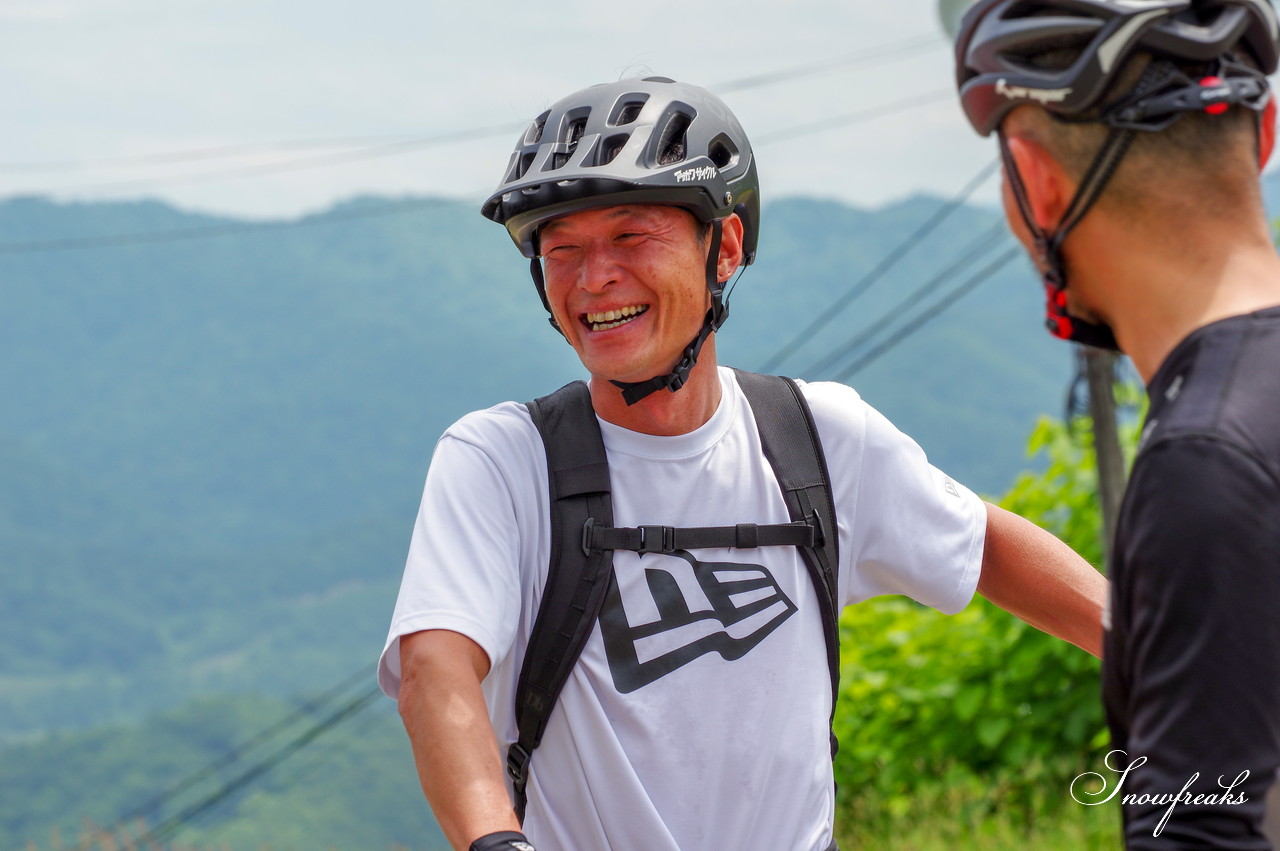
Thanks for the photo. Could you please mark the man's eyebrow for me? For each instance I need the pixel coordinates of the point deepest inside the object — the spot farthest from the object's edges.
(620, 213)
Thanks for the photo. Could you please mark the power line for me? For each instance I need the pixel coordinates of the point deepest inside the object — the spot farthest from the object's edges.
(889, 261)
(222, 151)
(385, 145)
(408, 146)
(309, 707)
(974, 250)
(386, 149)
(235, 228)
(172, 825)
(907, 47)
(901, 105)
(926, 315)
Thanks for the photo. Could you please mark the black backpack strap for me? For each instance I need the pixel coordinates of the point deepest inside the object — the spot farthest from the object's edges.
(791, 443)
(671, 539)
(578, 472)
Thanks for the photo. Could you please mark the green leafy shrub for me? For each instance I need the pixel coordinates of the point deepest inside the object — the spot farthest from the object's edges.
(979, 701)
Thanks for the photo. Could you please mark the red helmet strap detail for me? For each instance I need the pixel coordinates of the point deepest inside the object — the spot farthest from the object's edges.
(1266, 133)
(1049, 244)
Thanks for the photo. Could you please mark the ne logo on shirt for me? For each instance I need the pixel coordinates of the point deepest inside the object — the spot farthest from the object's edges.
(684, 609)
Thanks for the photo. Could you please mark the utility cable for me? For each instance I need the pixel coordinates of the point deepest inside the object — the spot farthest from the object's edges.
(889, 261)
(238, 150)
(897, 50)
(892, 108)
(385, 149)
(921, 319)
(907, 47)
(232, 228)
(166, 829)
(975, 249)
(308, 708)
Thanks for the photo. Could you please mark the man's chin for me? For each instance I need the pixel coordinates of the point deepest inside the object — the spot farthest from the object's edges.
(629, 376)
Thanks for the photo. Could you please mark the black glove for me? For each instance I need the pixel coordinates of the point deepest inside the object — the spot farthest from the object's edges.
(503, 840)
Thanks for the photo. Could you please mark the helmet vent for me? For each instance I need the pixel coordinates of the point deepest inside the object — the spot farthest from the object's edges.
(534, 134)
(628, 109)
(574, 132)
(722, 151)
(610, 149)
(672, 143)
(521, 166)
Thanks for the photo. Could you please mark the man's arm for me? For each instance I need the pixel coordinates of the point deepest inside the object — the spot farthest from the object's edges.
(454, 746)
(1029, 573)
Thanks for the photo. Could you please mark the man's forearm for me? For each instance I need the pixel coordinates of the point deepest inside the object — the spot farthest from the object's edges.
(454, 747)
(1029, 573)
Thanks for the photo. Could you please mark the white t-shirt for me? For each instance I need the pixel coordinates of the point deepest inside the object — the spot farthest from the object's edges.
(697, 715)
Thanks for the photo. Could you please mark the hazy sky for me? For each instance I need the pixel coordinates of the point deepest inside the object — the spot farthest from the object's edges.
(87, 82)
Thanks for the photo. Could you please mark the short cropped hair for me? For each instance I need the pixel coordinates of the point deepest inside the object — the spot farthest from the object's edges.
(1202, 156)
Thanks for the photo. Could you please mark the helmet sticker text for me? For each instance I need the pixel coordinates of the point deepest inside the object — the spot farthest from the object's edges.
(1038, 95)
(705, 172)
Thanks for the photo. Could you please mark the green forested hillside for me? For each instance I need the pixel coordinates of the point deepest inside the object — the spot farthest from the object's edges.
(354, 788)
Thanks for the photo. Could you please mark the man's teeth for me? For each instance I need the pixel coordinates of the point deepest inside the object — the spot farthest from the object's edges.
(613, 318)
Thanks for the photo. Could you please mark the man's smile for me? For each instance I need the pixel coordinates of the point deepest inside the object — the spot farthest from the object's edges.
(608, 319)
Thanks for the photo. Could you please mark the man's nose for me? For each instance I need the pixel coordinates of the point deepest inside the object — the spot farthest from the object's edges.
(599, 269)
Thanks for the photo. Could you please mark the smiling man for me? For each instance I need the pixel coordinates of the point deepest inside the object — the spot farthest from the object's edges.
(639, 577)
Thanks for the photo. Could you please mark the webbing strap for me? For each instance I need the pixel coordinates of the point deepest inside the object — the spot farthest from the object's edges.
(578, 474)
(668, 539)
(634, 391)
(791, 444)
(1049, 245)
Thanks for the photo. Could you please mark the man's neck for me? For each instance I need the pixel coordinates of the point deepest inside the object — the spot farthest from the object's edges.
(1156, 287)
(664, 412)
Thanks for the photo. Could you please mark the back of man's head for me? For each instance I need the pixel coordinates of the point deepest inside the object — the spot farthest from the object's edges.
(1157, 106)
(1188, 76)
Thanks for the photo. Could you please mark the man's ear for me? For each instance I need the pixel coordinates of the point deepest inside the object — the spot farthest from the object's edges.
(1049, 188)
(1267, 132)
(730, 247)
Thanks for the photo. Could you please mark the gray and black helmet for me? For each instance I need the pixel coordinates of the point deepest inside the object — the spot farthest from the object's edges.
(1000, 40)
(650, 141)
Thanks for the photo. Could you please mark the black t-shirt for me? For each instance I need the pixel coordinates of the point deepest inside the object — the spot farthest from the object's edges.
(1191, 665)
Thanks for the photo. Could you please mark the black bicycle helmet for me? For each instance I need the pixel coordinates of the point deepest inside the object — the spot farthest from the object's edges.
(1207, 55)
(1000, 39)
(640, 141)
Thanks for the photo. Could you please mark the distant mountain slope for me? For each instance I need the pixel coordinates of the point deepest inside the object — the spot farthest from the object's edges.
(212, 448)
(353, 788)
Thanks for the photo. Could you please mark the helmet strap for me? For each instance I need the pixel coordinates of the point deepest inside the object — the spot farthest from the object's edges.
(535, 270)
(1049, 244)
(633, 392)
